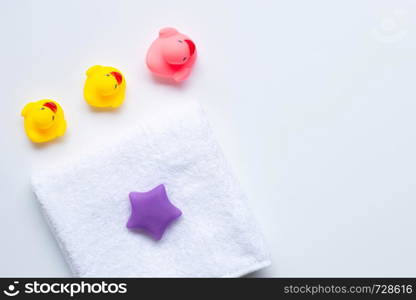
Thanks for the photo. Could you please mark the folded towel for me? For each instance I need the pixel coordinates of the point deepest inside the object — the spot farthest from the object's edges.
(86, 202)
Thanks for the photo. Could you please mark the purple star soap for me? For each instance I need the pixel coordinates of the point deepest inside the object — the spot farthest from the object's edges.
(152, 212)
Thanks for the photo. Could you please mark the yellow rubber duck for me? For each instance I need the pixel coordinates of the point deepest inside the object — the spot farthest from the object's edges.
(104, 87)
(44, 120)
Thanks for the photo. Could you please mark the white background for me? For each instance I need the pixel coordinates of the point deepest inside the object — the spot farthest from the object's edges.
(313, 103)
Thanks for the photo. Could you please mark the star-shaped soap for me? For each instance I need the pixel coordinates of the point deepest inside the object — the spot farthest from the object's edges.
(152, 211)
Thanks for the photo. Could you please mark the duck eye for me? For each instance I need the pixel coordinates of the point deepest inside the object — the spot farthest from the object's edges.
(42, 108)
(115, 86)
(53, 118)
(183, 59)
(180, 41)
(107, 75)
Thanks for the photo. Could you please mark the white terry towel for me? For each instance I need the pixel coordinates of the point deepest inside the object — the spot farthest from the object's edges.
(87, 205)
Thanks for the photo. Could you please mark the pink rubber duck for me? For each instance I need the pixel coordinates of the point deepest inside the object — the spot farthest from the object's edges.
(172, 55)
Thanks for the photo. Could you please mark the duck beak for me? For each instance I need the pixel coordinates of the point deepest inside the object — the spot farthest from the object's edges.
(191, 46)
(52, 106)
(118, 77)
